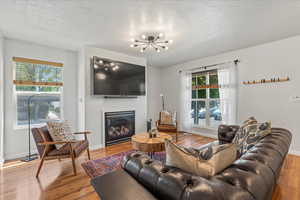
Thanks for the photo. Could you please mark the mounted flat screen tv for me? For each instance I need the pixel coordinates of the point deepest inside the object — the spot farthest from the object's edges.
(115, 78)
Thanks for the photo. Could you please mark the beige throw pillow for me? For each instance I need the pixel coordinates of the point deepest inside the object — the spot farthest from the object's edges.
(205, 162)
(60, 131)
(167, 118)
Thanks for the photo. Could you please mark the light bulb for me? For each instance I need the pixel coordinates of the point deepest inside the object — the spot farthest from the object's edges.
(101, 62)
(106, 69)
(170, 41)
(132, 40)
(132, 45)
(144, 36)
(117, 67)
(166, 48)
(160, 34)
(96, 66)
(142, 50)
(112, 64)
(101, 76)
(157, 50)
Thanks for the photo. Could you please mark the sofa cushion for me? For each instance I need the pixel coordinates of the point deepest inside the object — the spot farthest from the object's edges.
(206, 161)
(60, 131)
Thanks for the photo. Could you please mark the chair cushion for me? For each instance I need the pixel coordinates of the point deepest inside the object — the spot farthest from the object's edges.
(60, 131)
(78, 147)
(206, 161)
(163, 127)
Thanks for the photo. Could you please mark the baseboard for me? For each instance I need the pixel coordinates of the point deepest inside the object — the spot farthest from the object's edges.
(294, 152)
(98, 146)
(19, 155)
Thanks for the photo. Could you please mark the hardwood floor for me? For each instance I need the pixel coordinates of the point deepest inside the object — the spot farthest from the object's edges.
(56, 181)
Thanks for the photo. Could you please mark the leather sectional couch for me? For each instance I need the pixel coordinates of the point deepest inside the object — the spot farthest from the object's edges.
(252, 177)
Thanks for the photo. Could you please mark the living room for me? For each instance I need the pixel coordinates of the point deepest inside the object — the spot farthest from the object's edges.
(137, 86)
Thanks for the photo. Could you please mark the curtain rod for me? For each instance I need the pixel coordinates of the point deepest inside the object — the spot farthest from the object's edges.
(236, 61)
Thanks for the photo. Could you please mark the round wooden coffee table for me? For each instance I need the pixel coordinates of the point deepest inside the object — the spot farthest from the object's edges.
(142, 142)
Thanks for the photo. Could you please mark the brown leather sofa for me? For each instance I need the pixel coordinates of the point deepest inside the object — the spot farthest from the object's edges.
(252, 177)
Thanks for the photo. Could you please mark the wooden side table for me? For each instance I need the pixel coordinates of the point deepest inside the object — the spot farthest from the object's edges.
(142, 142)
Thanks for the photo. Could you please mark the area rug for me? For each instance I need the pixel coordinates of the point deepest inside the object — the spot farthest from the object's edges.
(111, 163)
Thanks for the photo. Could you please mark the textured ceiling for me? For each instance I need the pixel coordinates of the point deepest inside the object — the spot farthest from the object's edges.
(198, 27)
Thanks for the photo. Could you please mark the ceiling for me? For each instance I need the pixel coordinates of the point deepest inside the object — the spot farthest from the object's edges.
(199, 28)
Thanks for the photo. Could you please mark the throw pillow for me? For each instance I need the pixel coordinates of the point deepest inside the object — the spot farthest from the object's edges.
(255, 132)
(241, 135)
(250, 120)
(206, 161)
(167, 118)
(60, 131)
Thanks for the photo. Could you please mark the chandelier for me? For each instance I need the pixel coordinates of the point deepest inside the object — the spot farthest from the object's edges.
(155, 42)
(105, 64)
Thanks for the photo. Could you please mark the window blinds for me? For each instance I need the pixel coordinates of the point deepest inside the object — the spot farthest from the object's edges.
(31, 72)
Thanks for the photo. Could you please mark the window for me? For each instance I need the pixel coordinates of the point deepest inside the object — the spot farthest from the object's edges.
(40, 83)
(206, 99)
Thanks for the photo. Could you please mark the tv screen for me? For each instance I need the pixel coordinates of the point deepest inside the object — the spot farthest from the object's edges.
(114, 78)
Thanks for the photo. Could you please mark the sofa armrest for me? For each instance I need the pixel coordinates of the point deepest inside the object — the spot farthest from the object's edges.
(120, 185)
(226, 133)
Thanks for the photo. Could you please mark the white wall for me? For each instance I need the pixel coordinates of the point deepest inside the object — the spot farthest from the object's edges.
(15, 140)
(95, 106)
(264, 101)
(1, 98)
(154, 91)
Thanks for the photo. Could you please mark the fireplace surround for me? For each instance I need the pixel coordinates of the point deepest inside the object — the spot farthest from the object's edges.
(119, 126)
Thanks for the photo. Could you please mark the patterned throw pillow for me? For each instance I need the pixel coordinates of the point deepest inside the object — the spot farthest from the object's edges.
(207, 161)
(250, 120)
(255, 132)
(60, 131)
(241, 135)
(167, 118)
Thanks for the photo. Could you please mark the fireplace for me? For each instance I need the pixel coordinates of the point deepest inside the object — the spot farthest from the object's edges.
(119, 126)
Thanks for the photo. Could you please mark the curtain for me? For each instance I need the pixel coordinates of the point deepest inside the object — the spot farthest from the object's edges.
(185, 100)
(227, 79)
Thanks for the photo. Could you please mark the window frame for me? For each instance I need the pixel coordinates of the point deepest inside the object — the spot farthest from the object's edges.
(207, 101)
(17, 93)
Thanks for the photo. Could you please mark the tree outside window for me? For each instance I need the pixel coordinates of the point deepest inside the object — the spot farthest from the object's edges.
(205, 99)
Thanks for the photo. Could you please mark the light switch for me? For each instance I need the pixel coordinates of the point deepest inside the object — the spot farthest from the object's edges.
(295, 98)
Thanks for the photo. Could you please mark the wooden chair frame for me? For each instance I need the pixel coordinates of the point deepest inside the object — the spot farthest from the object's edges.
(71, 155)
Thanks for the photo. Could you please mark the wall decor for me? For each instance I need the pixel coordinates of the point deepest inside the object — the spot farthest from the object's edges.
(262, 81)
